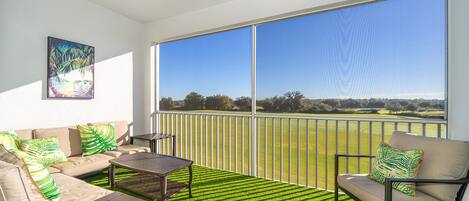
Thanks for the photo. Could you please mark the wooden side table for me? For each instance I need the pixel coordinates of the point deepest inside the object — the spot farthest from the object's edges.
(153, 137)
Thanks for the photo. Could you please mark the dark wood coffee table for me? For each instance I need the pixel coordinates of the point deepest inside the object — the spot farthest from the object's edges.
(151, 166)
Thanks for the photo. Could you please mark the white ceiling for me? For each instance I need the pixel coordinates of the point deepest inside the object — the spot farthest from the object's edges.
(151, 10)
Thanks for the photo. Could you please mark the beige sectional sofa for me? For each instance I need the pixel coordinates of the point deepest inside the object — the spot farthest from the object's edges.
(64, 173)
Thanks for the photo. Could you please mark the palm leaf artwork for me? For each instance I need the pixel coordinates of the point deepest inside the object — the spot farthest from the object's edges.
(97, 138)
(40, 176)
(395, 163)
(46, 150)
(70, 69)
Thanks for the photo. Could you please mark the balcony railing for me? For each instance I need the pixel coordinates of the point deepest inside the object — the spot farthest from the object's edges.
(286, 148)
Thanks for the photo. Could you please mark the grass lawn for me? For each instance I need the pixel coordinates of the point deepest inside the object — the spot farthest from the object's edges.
(219, 142)
(212, 184)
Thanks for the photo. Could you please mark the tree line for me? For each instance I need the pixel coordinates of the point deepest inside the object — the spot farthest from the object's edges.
(296, 102)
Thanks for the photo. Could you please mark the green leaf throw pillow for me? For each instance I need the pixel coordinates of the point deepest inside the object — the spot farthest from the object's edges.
(45, 150)
(40, 175)
(9, 140)
(97, 138)
(394, 163)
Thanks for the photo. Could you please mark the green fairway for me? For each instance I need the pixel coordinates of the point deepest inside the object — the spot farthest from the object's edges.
(295, 150)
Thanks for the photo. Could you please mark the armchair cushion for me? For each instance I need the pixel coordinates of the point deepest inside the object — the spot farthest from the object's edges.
(444, 159)
(368, 190)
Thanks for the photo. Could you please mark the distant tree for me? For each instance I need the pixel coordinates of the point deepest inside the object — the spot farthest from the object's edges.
(219, 102)
(393, 106)
(411, 107)
(317, 107)
(293, 101)
(375, 103)
(363, 103)
(279, 103)
(438, 104)
(424, 104)
(268, 105)
(404, 103)
(194, 101)
(274, 104)
(334, 103)
(243, 103)
(350, 103)
(166, 103)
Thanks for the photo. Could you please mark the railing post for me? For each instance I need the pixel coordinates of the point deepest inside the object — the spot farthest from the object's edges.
(157, 93)
(253, 104)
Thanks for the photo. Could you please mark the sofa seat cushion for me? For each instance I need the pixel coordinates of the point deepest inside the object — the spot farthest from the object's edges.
(367, 190)
(78, 165)
(75, 189)
(127, 149)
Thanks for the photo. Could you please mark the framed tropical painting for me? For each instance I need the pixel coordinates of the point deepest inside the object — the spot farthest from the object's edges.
(70, 69)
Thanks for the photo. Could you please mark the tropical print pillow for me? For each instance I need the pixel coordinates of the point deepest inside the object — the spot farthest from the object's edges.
(36, 171)
(97, 138)
(45, 150)
(9, 140)
(394, 163)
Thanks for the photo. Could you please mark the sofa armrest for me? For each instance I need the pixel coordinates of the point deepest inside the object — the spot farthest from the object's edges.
(336, 169)
(338, 156)
(388, 183)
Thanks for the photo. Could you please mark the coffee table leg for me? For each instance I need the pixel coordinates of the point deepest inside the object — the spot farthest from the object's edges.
(111, 176)
(190, 181)
(164, 187)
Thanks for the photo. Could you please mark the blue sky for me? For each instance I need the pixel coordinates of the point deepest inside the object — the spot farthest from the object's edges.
(389, 49)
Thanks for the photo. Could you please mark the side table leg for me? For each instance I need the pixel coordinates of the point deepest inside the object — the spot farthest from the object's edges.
(153, 142)
(111, 176)
(174, 145)
(190, 181)
(164, 187)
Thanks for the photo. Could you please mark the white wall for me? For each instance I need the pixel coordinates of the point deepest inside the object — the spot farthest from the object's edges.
(458, 115)
(118, 42)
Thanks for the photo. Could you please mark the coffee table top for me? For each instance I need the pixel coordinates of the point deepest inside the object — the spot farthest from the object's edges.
(161, 165)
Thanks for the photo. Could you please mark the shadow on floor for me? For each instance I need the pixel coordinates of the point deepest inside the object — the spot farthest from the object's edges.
(209, 184)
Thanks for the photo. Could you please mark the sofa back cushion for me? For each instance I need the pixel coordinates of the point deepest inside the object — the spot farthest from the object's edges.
(69, 138)
(25, 134)
(121, 129)
(13, 183)
(443, 159)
